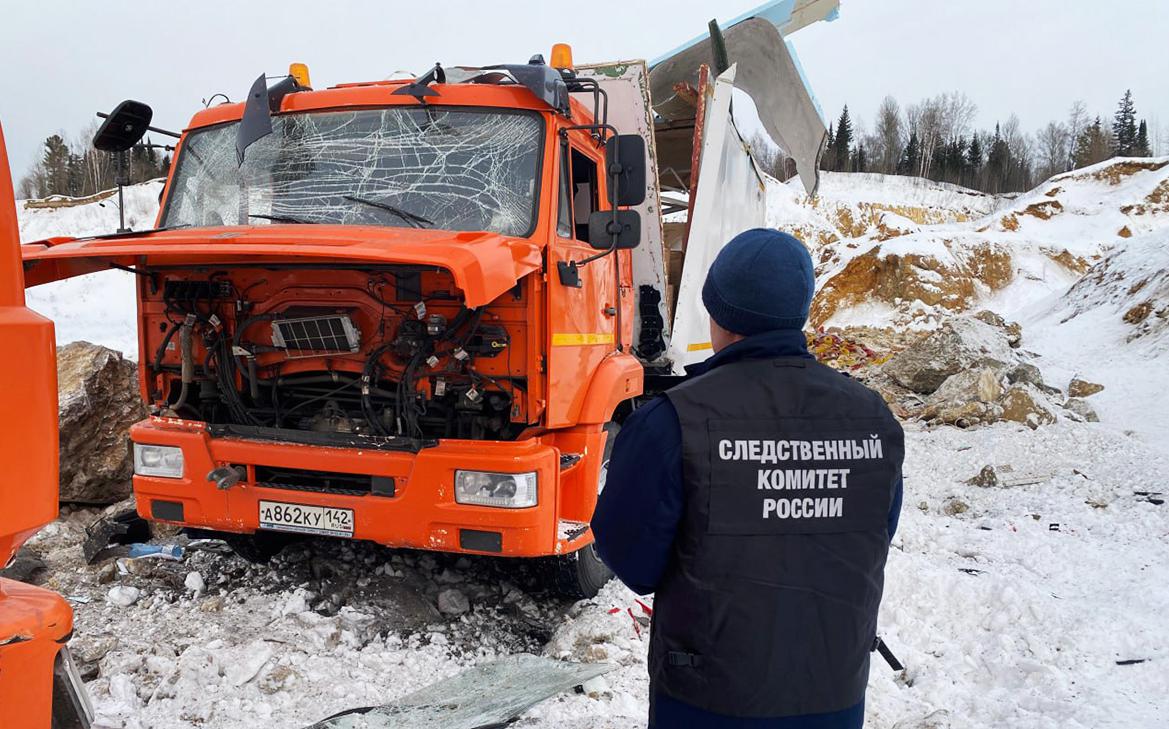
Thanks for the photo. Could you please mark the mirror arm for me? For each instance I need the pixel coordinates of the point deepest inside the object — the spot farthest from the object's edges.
(156, 130)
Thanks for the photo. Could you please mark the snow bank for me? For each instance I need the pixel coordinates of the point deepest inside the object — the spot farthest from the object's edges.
(98, 307)
(1112, 327)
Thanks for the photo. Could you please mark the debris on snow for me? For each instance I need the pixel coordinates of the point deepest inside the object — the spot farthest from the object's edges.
(453, 602)
(194, 583)
(123, 595)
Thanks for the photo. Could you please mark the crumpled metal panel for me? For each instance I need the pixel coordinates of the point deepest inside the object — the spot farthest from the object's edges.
(488, 695)
(730, 199)
(455, 169)
(768, 72)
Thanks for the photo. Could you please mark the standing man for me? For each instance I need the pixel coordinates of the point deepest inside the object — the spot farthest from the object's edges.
(757, 500)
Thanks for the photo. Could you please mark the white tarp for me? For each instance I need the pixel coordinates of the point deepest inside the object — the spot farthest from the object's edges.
(729, 200)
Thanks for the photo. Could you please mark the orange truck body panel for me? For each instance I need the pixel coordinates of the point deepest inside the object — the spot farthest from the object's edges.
(34, 623)
(564, 341)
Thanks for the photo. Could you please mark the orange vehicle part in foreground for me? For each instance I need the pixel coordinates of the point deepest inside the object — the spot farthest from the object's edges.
(34, 623)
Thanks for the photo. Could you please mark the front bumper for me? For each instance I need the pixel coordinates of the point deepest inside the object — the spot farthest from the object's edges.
(421, 513)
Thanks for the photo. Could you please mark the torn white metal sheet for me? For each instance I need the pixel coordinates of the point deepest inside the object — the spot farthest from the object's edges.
(768, 72)
(627, 84)
(730, 199)
(787, 16)
(488, 695)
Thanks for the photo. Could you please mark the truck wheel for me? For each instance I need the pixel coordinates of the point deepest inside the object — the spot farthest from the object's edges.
(582, 574)
(258, 548)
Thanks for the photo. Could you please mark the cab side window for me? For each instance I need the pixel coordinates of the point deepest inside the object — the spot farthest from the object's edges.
(578, 194)
(584, 193)
(564, 227)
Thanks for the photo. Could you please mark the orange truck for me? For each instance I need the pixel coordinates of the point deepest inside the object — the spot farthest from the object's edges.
(39, 686)
(413, 311)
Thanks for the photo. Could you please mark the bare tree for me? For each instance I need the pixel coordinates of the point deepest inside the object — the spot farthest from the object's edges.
(1053, 142)
(887, 140)
(925, 119)
(1077, 122)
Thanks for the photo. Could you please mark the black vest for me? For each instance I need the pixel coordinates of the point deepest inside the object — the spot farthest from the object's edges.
(768, 607)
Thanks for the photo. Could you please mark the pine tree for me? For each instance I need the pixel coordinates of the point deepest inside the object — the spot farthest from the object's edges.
(911, 158)
(974, 154)
(1141, 148)
(1093, 145)
(860, 162)
(843, 142)
(828, 160)
(1124, 127)
(55, 165)
(998, 162)
(973, 163)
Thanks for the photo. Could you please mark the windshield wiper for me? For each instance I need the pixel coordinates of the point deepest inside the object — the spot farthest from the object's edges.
(415, 220)
(282, 219)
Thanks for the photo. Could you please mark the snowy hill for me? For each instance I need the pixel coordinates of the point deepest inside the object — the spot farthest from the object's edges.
(901, 272)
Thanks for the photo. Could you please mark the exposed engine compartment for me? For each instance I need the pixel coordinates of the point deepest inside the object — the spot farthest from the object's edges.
(387, 351)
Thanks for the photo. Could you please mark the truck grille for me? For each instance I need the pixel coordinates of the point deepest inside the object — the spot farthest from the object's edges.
(297, 479)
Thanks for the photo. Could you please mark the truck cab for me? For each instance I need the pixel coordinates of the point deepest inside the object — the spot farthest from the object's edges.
(414, 311)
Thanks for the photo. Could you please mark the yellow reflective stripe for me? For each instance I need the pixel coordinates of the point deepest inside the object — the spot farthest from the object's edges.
(578, 339)
(699, 346)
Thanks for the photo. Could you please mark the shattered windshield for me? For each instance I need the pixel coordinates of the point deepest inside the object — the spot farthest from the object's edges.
(417, 167)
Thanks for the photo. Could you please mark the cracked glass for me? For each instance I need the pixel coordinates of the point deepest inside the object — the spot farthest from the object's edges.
(418, 167)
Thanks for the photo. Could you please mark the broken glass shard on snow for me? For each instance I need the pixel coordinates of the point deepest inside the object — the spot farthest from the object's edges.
(488, 695)
(428, 166)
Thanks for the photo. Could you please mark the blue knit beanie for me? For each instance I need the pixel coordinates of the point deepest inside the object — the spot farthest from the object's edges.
(762, 280)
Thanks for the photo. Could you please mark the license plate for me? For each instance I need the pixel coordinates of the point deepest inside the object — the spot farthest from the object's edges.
(323, 520)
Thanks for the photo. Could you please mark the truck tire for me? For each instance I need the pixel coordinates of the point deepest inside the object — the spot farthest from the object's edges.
(582, 574)
(258, 548)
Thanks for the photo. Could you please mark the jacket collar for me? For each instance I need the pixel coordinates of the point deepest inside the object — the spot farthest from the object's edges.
(768, 345)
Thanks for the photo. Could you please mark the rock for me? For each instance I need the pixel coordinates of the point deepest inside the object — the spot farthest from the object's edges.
(962, 414)
(123, 595)
(975, 385)
(1027, 373)
(1083, 388)
(986, 478)
(107, 574)
(1082, 409)
(1025, 404)
(955, 506)
(957, 345)
(453, 602)
(213, 604)
(194, 583)
(1013, 330)
(98, 402)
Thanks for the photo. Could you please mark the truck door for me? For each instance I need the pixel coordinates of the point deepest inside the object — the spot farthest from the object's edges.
(582, 319)
(28, 395)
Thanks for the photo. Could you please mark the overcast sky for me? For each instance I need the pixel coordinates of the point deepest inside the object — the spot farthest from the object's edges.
(62, 61)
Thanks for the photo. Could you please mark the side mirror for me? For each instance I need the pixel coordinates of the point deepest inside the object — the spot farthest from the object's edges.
(602, 226)
(124, 127)
(625, 157)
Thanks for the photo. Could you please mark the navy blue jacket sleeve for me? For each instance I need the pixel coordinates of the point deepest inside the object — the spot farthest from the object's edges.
(895, 511)
(640, 507)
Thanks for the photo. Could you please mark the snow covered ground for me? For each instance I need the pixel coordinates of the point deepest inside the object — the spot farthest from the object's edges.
(1040, 602)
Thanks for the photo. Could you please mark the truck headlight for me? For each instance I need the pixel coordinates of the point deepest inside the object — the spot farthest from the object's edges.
(156, 460)
(508, 490)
